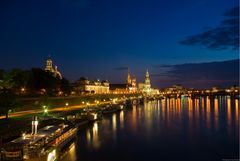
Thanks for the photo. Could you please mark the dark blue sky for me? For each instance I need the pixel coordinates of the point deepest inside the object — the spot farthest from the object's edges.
(93, 37)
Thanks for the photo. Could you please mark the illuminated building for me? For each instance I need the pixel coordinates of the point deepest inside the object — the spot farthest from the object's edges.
(129, 87)
(131, 83)
(145, 87)
(83, 85)
(49, 68)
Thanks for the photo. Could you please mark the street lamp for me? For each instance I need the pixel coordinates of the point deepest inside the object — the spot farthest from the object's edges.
(45, 111)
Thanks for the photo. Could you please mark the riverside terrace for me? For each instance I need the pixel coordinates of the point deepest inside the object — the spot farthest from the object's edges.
(52, 109)
(27, 107)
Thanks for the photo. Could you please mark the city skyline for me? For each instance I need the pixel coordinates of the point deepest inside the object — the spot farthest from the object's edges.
(100, 40)
(119, 80)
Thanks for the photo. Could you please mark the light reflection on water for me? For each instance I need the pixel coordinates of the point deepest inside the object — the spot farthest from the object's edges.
(161, 128)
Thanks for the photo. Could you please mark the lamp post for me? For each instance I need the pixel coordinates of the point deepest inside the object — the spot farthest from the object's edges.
(45, 111)
(66, 104)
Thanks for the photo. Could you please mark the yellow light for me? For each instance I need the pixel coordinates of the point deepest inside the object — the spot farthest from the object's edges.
(45, 110)
(23, 89)
(52, 156)
(24, 135)
(67, 104)
(83, 102)
(121, 107)
(95, 116)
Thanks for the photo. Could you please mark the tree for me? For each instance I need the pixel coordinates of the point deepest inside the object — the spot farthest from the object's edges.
(7, 101)
(41, 79)
(7, 82)
(65, 86)
(19, 77)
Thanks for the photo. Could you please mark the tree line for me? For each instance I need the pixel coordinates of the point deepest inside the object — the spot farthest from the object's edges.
(29, 83)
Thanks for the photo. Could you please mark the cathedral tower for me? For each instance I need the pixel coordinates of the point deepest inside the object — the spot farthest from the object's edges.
(147, 80)
(49, 65)
(129, 80)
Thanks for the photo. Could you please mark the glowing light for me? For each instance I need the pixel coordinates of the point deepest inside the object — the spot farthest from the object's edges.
(46, 110)
(52, 156)
(229, 110)
(236, 110)
(95, 116)
(23, 89)
(121, 107)
(24, 135)
(67, 104)
(121, 119)
(114, 122)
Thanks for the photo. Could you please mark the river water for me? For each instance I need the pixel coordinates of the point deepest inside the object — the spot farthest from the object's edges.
(165, 130)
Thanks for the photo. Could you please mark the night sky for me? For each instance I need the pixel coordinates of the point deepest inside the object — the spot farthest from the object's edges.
(100, 38)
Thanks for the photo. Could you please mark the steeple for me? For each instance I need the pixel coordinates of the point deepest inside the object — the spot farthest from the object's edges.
(129, 81)
(49, 65)
(147, 80)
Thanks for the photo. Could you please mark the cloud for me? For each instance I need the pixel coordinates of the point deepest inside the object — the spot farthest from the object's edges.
(121, 68)
(225, 36)
(162, 66)
(203, 75)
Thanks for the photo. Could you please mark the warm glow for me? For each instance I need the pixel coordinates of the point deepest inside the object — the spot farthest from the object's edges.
(114, 122)
(216, 113)
(24, 135)
(23, 89)
(229, 110)
(45, 110)
(52, 156)
(121, 119)
(236, 110)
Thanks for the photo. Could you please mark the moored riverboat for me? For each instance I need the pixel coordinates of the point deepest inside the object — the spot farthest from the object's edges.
(41, 145)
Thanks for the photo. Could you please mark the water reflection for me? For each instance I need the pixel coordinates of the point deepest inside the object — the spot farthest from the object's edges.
(170, 123)
(208, 112)
(236, 110)
(216, 115)
(92, 136)
(114, 125)
(122, 119)
(229, 111)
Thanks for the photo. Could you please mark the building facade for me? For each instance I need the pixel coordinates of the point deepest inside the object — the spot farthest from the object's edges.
(83, 85)
(146, 88)
(131, 83)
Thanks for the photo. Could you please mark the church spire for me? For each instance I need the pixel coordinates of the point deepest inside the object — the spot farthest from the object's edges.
(147, 79)
(129, 81)
(49, 65)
